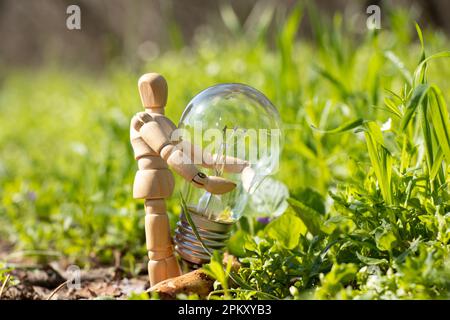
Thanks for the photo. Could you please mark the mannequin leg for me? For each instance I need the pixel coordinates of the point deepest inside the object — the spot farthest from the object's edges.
(162, 262)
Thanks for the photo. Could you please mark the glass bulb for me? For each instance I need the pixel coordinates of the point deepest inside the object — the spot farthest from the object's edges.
(269, 199)
(235, 131)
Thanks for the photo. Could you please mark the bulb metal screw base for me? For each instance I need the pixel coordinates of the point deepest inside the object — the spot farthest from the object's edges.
(214, 234)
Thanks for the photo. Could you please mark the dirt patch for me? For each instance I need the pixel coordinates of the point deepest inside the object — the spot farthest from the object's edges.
(39, 282)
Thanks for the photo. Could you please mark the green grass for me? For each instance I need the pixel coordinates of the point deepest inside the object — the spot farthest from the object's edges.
(369, 209)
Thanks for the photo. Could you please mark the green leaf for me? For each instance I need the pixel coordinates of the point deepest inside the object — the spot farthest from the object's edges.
(400, 66)
(417, 97)
(420, 35)
(290, 28)
(440, 119)
(370, 261)
(191, 223)
(310, 217)
(339, 85)
(342, 128)
(380, 159)
(259, 20)
(216, 270)
(436, 112)
(392, 107)
(420, 70)
(286, 230)
(334, 281)
(230, 19)
(385, 239)
(236, 243)
(310, 198)
(342, 223)
(437, 163)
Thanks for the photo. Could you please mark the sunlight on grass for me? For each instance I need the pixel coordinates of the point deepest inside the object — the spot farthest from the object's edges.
(66, 165)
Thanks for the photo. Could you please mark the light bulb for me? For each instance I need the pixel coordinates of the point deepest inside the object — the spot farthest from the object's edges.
(269, 199)
(235, 133)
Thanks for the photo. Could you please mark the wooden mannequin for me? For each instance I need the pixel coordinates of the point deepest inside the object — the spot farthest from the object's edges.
(150, 136)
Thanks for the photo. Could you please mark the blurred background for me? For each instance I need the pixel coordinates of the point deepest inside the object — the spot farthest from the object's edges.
(35, 31)
(67, 96)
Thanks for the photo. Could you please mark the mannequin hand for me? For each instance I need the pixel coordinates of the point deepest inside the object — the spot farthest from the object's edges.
(140, 119)
(213, 184)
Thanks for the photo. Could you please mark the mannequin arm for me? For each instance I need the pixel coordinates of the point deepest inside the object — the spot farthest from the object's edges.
(212, 161)
(152, 133)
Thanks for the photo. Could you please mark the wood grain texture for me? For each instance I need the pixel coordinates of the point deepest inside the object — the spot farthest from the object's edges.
(218, 185)
(153, 90)
(153, 184)
(196, 281)
(160, 255)
(141, 149)
(155, 206)
(157, 271)
(182, 165)
(151, 162)
(157, 232)
(173, 268)
(153, 134)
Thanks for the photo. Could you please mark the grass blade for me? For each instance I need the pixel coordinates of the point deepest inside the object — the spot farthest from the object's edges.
(192, 225)
(380, 159)
(418, 95)
(400, 66)
(419, 73)
(309, 216)
(342, 128)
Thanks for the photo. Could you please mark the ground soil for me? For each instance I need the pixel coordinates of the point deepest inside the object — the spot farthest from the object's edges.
(32, 281)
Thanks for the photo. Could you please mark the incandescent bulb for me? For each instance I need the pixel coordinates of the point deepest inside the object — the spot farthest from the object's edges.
(233, 131)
